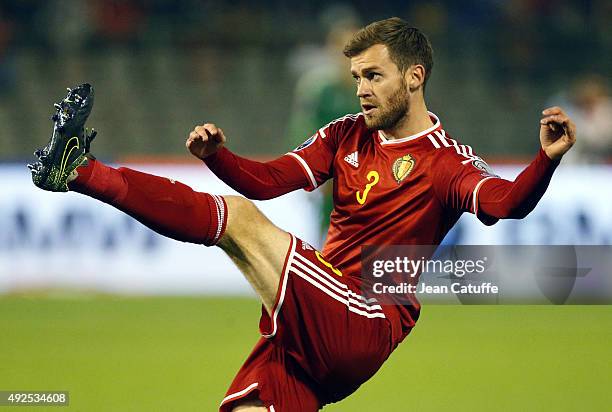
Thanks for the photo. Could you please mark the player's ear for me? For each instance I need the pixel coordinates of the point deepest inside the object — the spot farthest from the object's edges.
(415, 76)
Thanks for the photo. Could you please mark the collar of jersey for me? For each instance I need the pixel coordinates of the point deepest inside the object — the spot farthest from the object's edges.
(386, 142)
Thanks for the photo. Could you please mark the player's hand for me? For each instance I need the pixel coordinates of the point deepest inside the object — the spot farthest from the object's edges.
(205, 140)
(557, 132)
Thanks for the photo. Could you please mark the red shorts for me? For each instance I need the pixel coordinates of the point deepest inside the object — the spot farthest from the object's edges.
(323, 340)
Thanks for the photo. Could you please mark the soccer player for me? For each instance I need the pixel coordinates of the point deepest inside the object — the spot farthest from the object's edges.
(399, 178)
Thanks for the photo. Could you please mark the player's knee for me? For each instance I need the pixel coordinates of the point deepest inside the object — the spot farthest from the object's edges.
(242, 215)
(241, 205)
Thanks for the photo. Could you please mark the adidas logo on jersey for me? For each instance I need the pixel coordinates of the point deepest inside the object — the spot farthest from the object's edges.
(352, 159)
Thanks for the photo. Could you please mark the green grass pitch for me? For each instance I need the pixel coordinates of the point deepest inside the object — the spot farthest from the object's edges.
(180, 354)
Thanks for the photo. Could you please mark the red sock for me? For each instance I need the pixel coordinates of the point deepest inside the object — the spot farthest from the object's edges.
(168, 207)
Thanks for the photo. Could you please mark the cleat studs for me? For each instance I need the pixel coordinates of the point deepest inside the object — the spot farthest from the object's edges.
(35, 167)
(90, 134)
(42, 155)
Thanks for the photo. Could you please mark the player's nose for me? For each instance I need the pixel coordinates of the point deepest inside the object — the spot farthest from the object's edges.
(364, 89)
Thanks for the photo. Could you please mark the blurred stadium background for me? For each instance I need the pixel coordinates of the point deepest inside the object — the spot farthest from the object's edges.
(93, 303)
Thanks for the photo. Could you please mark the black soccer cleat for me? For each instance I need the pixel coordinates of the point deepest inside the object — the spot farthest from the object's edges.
(69, 143)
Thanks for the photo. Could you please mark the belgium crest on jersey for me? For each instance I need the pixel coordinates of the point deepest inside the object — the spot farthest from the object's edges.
(402, 167)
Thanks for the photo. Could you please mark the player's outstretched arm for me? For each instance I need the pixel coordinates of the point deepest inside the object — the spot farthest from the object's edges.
(502, 199)
(254, 180)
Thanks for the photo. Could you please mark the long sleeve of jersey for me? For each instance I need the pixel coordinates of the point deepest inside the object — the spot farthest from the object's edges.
(306, 167)
(466, 183)
(257, 180)
(502, 199)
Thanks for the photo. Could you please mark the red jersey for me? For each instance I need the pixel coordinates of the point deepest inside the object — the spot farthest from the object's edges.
(390, 192)
(408, 191)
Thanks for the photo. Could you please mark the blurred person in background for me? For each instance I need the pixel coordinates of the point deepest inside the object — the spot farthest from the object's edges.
(324, 90)
(590, 105)
(118, 22)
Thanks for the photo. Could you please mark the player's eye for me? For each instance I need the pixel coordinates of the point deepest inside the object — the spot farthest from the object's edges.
(373, 76)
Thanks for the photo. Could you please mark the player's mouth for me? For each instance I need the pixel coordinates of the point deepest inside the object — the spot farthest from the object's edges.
(367, 108)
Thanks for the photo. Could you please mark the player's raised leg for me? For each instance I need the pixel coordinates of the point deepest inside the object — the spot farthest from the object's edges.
(170, 208)
(175, 210)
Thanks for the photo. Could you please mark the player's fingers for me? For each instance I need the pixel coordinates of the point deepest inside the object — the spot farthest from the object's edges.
(220, 137)
(192, 136)
(202, 132)
(212, 129)
(555, 119)
(571, 131)
(189, 141)
(552, 111)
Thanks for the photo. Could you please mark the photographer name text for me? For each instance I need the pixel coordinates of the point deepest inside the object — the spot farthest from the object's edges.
(456, 287)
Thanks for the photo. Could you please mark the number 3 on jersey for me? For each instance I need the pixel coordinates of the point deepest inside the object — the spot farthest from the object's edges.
(373, 179)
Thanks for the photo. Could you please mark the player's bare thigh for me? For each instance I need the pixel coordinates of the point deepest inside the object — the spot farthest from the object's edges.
(256, 246)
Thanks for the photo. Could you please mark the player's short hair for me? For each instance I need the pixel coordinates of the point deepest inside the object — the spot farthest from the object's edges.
(407, 45)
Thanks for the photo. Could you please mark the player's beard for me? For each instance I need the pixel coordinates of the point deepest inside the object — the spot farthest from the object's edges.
(390, 115)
